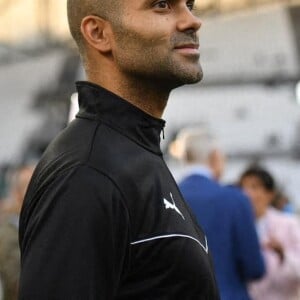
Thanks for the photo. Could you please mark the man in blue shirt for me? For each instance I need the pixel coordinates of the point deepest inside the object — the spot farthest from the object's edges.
(223, 212)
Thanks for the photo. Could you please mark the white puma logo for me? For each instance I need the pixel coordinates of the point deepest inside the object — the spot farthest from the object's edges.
(172, 205)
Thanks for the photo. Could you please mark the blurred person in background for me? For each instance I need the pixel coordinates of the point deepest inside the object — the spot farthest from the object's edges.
(224, 213)
(281, 202)
(103, 217)
(18, 184)
(9, 243)
(279, 235)
(4, 174)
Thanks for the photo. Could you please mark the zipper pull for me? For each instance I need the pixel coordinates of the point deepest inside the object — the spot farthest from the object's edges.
(163, 133)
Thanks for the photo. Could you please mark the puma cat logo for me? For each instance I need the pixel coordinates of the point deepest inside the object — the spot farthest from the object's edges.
(172, 205)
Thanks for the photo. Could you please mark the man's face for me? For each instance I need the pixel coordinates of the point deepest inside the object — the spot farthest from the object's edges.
(157, 41)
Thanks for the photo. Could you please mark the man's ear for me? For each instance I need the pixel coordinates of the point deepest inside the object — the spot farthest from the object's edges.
(97, 33)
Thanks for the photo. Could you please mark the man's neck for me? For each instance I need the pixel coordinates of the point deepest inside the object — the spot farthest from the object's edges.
(144, 95)
(199, 169)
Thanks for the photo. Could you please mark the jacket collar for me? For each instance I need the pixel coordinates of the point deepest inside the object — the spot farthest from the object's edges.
(100, 104)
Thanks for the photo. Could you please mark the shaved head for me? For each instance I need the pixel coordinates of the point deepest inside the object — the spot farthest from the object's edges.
(79, 9)
(136, 40)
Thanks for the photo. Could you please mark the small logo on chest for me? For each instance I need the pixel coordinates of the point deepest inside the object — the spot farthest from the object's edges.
(172, 205)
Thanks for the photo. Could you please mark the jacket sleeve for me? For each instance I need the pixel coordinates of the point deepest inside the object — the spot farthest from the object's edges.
(76, 242)
(248, 253)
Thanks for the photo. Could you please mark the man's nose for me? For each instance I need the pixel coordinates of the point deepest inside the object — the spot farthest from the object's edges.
(188, 21)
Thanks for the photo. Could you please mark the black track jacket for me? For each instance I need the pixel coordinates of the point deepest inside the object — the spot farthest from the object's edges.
(103, 218)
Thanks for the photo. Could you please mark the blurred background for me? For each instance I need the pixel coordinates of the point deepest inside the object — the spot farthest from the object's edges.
(249, 98)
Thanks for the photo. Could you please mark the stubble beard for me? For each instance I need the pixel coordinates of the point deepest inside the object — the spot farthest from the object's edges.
(185, 74)
(167, 72)
(145, 60)
(172, 71)
(188, 69)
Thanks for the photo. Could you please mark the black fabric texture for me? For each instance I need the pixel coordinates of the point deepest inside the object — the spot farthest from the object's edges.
(103, 217)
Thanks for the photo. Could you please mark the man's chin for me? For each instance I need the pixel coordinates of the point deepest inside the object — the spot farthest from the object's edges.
(191, 76)
(197, 78)
(181, 75)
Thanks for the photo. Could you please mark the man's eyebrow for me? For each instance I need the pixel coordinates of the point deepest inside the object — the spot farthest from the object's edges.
(146, 3)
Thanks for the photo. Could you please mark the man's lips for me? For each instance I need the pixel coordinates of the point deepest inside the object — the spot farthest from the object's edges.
(187, 46)
(188, 49)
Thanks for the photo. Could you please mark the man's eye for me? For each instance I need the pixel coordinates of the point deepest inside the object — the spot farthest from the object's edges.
(190, 5)
(162, 5)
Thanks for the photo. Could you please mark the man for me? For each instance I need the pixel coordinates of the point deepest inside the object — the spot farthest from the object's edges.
(224, 213)
(103, 217)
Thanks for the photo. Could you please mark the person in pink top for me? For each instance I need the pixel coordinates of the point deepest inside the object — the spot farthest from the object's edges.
(279, 236)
